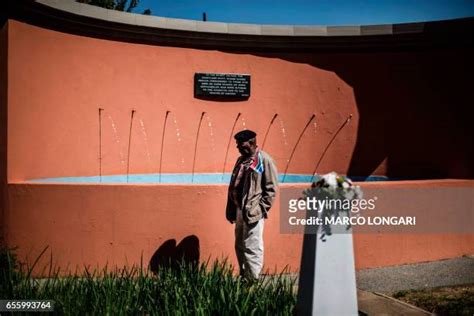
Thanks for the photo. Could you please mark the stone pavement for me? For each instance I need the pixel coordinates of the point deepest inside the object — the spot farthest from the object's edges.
(457, 271)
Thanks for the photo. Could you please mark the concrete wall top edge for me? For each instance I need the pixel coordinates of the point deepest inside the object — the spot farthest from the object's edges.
(72, 17)
(86, 10)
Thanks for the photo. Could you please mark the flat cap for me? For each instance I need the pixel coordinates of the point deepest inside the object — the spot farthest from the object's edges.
(245, 135)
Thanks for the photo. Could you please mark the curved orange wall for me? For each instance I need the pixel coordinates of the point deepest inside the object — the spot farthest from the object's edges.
(91, 224)
(58, 81)
(411, 109)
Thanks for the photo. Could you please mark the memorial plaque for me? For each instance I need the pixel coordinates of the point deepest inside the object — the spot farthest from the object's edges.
(222, 85)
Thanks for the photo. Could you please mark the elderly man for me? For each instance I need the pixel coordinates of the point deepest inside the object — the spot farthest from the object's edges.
(251, 193)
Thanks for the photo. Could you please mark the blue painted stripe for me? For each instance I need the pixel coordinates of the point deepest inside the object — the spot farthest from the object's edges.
(201, 178)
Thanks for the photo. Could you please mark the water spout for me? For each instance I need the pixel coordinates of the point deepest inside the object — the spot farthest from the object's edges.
(228, 144)
(196, 144)
(162, 144)
(296, 145)
(129, 143)
(329, 144)
(268, 129)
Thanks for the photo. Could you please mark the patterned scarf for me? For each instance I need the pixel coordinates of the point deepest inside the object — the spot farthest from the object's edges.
(255, 163)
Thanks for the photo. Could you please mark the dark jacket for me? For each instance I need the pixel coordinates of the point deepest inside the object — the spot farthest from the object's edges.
(258, 193)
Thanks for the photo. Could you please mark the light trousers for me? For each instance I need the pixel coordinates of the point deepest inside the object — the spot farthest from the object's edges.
(249, 246)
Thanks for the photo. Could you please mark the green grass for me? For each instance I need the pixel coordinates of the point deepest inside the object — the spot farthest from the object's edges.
(454, 300)
(206, 289)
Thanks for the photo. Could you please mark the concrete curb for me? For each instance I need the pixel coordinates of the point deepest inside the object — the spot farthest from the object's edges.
(373, 303)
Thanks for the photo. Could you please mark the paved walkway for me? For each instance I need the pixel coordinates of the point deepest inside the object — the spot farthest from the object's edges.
(388, 280)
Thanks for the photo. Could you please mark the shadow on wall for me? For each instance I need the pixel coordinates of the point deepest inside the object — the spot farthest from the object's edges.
(415, 110)
(170, 255)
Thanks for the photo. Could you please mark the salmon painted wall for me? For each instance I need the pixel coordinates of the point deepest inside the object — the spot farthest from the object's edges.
(3, 125)
(411, 119)
(94, 225)
(58, 82)
(411, 110)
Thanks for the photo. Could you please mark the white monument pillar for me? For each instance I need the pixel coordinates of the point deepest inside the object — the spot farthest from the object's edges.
(327, 283)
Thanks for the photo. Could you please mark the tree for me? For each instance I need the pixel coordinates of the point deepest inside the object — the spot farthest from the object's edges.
(118, 5)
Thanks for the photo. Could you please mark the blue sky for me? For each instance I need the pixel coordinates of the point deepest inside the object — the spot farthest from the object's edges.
(316, 12)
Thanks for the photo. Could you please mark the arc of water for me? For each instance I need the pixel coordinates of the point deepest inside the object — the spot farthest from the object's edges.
(100, 144)
(178, 138)
(329, 144)
(283, 133)
(228, 144)
(296, 145)
(195, 146)
(162, 145)
(244, 126)
(268, 129)
(213, 141)
(145, 138)
(211, 133)
(129, 143)
(117, 140)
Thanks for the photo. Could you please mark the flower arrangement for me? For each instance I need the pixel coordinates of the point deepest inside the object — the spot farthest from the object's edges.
(337, 189)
